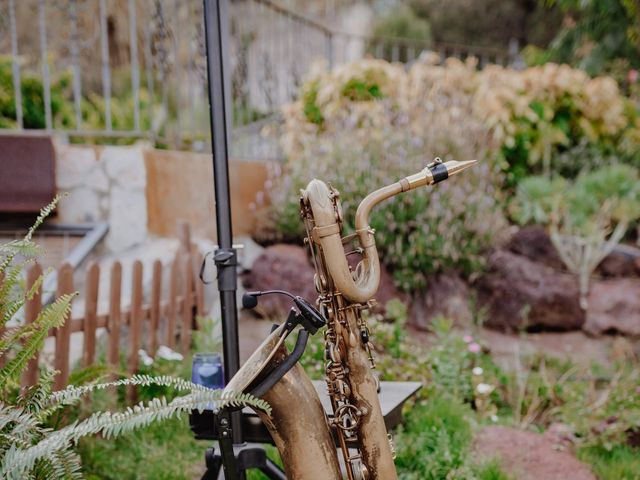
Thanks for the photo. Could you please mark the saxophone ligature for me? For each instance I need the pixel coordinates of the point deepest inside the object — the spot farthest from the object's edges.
(306, 439)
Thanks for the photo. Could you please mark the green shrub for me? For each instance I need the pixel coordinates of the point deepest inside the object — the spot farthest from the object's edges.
(37, 438)
(612, 191)
(600, 33)
(621, 462)
(540, 113)
(434, 441)
(92, 105)
(363, 126)
(586, 217)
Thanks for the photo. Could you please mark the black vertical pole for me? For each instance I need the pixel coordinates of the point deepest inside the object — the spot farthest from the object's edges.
(217, 43)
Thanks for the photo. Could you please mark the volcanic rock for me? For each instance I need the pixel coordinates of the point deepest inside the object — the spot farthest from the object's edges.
(617, 264)
(447, 295)
(534, 243)
(281, 267)
(614, 307)
(519, 293)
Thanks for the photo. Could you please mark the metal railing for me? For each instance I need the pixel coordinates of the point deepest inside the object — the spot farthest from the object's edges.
(117, 70)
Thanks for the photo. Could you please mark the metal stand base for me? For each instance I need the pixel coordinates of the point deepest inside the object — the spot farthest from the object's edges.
(237, 458)
(244, 457)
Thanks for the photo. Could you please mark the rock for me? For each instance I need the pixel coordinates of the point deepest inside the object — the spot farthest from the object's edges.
(125, 166)
(618, 264)
(534, 243)
(127, 219)
(519, 293)
(249, 252)
(447, 295)
(388, 291)
(614, 306)
(80, 206)
(73, 165)
(97, 180)
(528, 456)
(283, 267)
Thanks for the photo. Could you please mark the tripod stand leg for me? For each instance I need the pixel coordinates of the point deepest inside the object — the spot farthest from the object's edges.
(214, 465)
(273, 471)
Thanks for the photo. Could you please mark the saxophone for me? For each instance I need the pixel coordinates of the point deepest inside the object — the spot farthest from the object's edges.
(298, 424)
(344, 295)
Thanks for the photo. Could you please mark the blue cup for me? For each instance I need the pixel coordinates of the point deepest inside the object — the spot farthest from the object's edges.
(206, 370)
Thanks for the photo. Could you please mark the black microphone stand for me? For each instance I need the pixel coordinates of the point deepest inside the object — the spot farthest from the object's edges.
(235, 455)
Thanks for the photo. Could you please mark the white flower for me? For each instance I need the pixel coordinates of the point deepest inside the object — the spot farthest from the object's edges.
(494, 418)
(145, 358)
(484, 388)
(477, 371)
(166, 353)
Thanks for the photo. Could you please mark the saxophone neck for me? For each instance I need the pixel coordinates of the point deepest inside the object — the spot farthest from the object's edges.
(361, 286)
(435, 172)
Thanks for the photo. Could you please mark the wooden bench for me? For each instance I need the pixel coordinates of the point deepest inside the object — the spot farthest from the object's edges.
(27, 173)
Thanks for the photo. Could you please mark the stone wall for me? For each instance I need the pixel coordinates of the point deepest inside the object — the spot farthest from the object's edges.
(104, 184)
(141, 191)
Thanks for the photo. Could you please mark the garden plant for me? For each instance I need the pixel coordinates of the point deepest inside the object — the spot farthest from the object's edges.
(38, 431)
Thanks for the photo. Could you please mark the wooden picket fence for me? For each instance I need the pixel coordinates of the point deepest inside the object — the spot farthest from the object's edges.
(157, 321)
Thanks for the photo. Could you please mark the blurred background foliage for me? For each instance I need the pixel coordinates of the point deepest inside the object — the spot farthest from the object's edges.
(92, 105)
(596, 35)
(488, 23)
(362, 125)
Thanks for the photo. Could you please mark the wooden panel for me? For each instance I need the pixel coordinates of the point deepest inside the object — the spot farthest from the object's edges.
(172, 306)
(179, 186)
(187, 307)
(115, 314)
(28, 175)
(154, 310)
(135, 325)
(32, 309)
(63, 334)
(90, 313)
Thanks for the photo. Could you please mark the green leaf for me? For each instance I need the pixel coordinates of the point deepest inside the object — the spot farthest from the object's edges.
(52, 316)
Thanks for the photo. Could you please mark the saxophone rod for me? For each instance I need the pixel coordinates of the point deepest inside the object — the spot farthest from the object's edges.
(433, 173)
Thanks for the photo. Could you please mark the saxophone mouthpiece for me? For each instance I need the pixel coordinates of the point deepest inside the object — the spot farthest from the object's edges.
(457, 166)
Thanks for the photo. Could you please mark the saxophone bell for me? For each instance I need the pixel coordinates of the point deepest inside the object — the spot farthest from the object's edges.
(298, 424)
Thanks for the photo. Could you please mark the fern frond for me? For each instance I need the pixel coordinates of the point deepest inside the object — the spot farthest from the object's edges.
(235, 399)
(35, 398)
(7, 259)
(22, 247)
(51, 317)
(44, 213)
(66, 465)
(43, 469)
(13, 336)
(18, 461)
(8, 295)
(19, 424)
(71, 394)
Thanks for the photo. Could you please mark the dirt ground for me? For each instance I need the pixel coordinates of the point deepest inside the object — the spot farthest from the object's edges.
(528, 456)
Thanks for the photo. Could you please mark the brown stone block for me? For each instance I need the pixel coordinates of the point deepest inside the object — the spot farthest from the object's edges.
(180, 187)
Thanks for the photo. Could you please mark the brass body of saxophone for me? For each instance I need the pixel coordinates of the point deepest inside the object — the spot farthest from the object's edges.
(344, 294)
